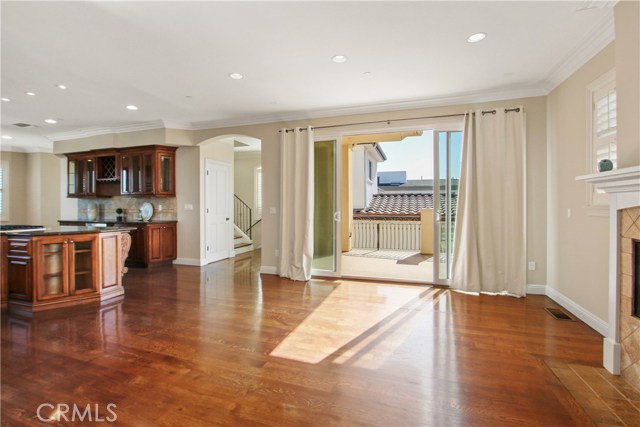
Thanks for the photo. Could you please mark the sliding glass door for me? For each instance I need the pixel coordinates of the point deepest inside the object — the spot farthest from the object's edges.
(326, 219)
(447, 166)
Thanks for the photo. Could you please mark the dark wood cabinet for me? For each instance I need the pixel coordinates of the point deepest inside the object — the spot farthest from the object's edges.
(138, 171)
(160, 243)
(151, 243)
(81, 175)
(46, 272)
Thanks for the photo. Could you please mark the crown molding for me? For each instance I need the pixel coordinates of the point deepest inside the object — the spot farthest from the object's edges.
(134, 127)
(459, 99)
(27, 150)
(603, 34)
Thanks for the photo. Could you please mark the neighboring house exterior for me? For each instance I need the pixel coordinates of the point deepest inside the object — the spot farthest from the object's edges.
(365, 171)
(393, 185)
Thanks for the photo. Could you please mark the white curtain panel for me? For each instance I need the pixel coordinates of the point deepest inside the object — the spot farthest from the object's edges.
(296, 203)
(490, 235)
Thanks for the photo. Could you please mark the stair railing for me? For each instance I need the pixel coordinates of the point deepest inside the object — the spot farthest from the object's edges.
(242, 215)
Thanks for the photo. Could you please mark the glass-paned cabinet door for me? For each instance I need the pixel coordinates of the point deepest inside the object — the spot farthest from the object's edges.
(136, 173)
(165, 174)
(75, 181)
(52, 280)
(90, 178)
(148, 173)
(125, 175)
(81, 266)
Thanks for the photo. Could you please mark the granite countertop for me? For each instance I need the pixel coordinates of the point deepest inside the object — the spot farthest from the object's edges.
(58, 231)
(113, 221)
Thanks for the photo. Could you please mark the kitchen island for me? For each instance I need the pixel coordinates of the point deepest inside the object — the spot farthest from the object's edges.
(64, 266)
(153, 243)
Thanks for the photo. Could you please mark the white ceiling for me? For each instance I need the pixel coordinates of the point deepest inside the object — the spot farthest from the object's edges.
(173, 59)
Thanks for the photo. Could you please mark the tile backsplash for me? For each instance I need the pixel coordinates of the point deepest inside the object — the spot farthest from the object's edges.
(164, 208)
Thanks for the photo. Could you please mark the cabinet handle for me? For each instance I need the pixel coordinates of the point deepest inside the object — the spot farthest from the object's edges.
(18, 262)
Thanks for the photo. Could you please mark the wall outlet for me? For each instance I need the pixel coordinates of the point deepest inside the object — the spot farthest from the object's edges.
(277, 253)
(159, 207)
(272, 211)
(532, 265)
(188, 207)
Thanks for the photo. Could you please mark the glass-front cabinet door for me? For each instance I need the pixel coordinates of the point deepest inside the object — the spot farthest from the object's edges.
(81, 176)
(82, 270)
(52, 280)
(147, 162)
(131, 173)
(165, 174)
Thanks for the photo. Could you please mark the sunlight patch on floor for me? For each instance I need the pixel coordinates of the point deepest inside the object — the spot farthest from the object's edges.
(353, 319)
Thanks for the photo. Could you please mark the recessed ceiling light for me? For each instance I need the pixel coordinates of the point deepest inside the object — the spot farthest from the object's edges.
(338, 59)
(63, 87)
(236, 76)
(366, 73)
(51, 121)
(477, 37)
(132, 107)
(7, 137)
(30, 93)
(6, 99)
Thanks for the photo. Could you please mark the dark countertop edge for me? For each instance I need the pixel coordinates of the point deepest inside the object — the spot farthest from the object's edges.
(112, 221)
(69, 230)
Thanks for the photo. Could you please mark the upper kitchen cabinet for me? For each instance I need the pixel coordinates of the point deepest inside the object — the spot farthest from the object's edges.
(137, 171)
(148, 171)
(81, 175)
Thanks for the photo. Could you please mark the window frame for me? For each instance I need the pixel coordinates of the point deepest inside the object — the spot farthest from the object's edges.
(597, 202)
(258, 191)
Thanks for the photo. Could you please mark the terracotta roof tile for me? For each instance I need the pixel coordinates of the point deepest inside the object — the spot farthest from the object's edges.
(404, 204)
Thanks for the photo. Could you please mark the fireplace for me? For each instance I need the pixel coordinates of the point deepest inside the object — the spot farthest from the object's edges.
(621, 347)
(635, 277)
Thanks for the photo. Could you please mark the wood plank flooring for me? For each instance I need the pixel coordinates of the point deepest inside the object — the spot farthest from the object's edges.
(222, 346)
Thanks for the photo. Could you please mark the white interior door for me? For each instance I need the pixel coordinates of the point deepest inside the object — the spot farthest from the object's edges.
(217, 210)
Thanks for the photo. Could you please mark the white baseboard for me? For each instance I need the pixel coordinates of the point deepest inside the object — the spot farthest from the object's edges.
(534, 289)
(573, 307)
(190, 261)
(268, 269)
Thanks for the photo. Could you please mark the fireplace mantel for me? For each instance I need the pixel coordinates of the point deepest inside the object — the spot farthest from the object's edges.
(623, 187)
(615, 181)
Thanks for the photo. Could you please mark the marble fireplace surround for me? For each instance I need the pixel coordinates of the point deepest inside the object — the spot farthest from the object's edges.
(623, 187)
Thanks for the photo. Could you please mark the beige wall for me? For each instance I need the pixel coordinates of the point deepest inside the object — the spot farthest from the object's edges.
(535, 109)
(577, 245)
(188, 193)
(245, 164)
(43, 189)
(34, 188)
(627, 19)
(16, 182)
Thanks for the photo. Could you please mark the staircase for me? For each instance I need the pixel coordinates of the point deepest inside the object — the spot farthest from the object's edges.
(241, 242)
(242, 226)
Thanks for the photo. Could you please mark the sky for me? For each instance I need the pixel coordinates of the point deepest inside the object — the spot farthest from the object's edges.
(415, 155)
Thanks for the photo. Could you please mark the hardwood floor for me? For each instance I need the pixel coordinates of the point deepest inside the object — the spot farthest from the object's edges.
(220, 345)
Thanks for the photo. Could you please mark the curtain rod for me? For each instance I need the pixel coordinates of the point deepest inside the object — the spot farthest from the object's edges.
(507, 110)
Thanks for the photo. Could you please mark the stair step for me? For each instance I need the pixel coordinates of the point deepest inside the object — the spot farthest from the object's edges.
(242, 245)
